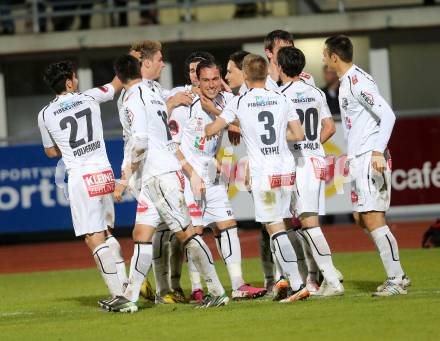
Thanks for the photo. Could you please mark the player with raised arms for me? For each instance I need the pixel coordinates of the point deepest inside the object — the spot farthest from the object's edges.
(368, 122)
(71, 128)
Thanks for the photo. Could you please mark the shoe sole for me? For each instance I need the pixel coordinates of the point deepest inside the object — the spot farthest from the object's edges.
(381, 294)
(251, 296)
(300, 297)
(130, 310)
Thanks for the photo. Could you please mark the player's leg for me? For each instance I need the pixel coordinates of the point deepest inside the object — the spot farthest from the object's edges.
(88, 217)
(297, 246)
(104, 261)
(166, 192)
(176, 262)
(267, 262)
(161, 264)
(321, 254)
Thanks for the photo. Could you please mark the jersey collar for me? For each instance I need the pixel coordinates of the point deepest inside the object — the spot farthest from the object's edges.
(348, 73)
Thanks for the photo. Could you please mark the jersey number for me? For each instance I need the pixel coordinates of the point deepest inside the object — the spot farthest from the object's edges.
(267, 118)
(164, 117)
(310, 121)
(70, 120)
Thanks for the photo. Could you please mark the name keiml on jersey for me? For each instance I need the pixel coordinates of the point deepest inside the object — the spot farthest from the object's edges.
(270, 150)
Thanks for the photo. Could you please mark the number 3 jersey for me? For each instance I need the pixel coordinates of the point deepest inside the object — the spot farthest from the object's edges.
(263, 116)
(311, 107)
(143, 115)
(187, 125)
(73, 123)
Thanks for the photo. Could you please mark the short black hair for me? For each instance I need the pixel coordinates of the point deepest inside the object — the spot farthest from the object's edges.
(341, 46)
(57, 73)
(237, 58)
(272, 37)
(206, 64)
(127, 68)
(194, 57)
(291, 60)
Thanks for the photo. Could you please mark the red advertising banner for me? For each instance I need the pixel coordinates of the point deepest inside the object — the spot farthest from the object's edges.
(415, 151)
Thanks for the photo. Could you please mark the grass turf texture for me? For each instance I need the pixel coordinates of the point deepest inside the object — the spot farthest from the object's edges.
(62, 306)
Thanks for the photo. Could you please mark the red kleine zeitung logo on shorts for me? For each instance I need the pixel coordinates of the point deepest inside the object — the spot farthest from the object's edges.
(100, 183)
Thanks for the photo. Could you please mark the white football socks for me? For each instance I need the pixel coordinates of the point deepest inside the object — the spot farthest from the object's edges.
(231, 254)
(161, 261)
(139, 267)
(176, 261)
(107, 266)
(297, 246)
(115, 248)
(194, 275)
(389, 252)
(202, 258)
(285, 255)
(322, 254)
(312, 267)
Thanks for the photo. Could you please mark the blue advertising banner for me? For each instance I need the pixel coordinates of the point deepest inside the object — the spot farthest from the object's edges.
(30, 201)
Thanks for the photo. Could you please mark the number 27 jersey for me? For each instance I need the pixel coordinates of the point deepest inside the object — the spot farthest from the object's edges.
(73, 123)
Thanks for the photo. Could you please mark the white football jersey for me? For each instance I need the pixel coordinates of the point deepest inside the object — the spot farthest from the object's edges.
(73, 123)
(187, 125)
(361, 108)
(311, 107)
(263, 116)
(146, 114)
(273, 85)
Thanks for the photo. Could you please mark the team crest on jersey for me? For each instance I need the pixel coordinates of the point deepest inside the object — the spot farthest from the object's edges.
(368, 98)
(354, 79)
(174, 127)
(197, 124)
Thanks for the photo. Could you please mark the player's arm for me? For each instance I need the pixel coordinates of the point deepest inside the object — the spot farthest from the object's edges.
(370, 98)
(50, 148)
(295, 131)
(228, 115)
(328, 128)
(138, 148)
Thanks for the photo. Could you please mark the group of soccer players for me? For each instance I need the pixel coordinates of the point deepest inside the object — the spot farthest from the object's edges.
(171, 142)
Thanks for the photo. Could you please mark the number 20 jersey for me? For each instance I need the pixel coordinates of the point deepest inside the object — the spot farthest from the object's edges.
(73, 123)
(311, 107)
(263, 116)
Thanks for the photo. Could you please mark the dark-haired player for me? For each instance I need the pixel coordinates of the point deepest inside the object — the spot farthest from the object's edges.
(71, 128)
(309, 196)
(368, 122)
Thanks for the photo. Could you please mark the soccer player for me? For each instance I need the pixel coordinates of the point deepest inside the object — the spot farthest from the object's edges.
(71, 128)
(368, 122)
(163, 182)
(264, 117)
(309, 196)
(167, 251)
(234, 72)
(205, 195)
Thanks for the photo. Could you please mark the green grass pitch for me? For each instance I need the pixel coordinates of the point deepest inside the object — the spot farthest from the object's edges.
(62, 306)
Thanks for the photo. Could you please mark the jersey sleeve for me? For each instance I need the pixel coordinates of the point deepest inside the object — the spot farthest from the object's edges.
(308, 78)
(45, 136)
(101, 94)
(230, 112)
(177, 121)
(367, 94)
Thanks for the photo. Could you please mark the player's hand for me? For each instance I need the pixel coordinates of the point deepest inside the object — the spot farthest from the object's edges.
(119, 191)
(378, 162)
(207, 104)
(226, 87)
(197, 186)
(182, 98)
(196, 90)
(234, 133)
